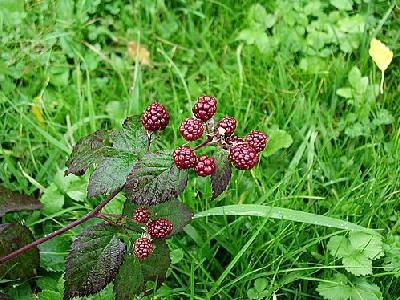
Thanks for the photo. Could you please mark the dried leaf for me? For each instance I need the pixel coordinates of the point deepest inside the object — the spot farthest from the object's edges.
(139, 52)
(36, 110)
(382, 56)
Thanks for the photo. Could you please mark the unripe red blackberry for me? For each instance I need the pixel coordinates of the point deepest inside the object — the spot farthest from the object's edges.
(191, 129)
(184, 157)
(257, 139)
(243, 156)
(141, 215)
(233, 140)
(205, 166)
(226, 126)
(205, 108)
(142, 248)
(159, 228)
(155, 117)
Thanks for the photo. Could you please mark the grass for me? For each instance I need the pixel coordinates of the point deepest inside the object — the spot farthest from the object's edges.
(77, 61)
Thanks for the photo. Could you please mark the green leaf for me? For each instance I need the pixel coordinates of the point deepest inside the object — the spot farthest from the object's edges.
(176, 256)
(392, 257)
(363, 290)
(133, 275)
(89, 150)
(13, 201)
(220, 178)
(357, 263)
(383, 117)
(339, 246)
(132, 137)
(175, 211)
(155, 179)
(362, 85)
(336, 288)
(25, 265)
(111, 174)
(260, 284)
(354, 77)
(52, 200)
(370, 245)
(345, 92)
(259, 18)
(282, 214)
(278, 139)
(50, 295)
(93, 261)
(130, 280)
(342, 4)
(53, 252)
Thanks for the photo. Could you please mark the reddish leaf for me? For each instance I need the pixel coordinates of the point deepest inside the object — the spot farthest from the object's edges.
(13, 201)
(25, 265)
(220, 178)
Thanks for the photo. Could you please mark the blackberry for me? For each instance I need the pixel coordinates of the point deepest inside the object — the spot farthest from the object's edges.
(141, 215)
(233, 140)
(205, 166)
(226, 126)
(243, 156)
(142, 248)
(257, 139)
(205, 108)
(155, 117)
(191, 129)
(159, 228)
(184, 157)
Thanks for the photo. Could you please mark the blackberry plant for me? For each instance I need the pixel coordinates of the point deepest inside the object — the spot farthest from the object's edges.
(130, 249)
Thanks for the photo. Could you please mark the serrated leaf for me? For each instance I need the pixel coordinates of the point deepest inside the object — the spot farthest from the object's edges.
(370, 245)
(130, 280)
(25, 265)
(357, 263)
(89, 150)
(175, 211)
(134, 274)
(111, 174)
(363, 290)
(222, 175)
(339, 246)
(336, 288)
(155, 179)
(132, 137)
(13, 201)
(278, 139)
(93, 261)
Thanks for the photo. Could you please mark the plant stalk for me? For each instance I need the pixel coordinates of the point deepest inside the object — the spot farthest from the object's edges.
(85, 218)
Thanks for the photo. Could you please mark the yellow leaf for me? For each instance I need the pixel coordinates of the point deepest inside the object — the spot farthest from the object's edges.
(382, 56)
(139, 52)
(36, 110)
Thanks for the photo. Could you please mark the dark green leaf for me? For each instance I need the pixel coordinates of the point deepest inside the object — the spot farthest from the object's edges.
(25, 265)
(93, 261)
(111, 174)
(13, 201)
(175, 211)
(89, 150)
(156, 265)
(130, 280)
(132, 137)
(220, 178)
(155, 179)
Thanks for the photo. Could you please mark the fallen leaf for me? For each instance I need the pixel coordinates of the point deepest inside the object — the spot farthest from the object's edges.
(382, 56)
(139, 52)
(36, 110)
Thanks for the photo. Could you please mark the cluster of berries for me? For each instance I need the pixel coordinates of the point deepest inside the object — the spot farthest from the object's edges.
(243, 152)
(155, 229)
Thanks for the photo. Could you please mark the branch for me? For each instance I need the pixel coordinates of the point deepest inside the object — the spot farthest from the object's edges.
(85, 218)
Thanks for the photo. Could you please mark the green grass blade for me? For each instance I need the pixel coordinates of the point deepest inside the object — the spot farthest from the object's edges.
(281, 214)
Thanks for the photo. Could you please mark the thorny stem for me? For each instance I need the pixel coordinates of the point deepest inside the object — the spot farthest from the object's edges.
(85, 218)
(203, 143)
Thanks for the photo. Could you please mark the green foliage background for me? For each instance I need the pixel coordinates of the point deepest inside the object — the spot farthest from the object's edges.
(292, 68)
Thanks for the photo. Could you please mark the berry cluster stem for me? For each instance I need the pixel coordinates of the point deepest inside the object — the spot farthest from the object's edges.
(204, 143)
(67, 227)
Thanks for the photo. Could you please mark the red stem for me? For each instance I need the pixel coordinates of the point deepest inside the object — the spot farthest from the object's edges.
(85, 218)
